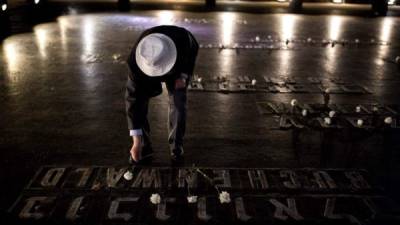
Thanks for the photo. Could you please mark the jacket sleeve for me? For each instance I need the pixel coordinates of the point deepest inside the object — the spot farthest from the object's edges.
(136, 104)
(191, 55)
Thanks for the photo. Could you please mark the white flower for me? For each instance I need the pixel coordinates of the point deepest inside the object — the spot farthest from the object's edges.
(199, 79)
(224, 197)
(155, 199)
(257, 38)
(357, 41)
(327, 90)
(332, 114)
(327, 120)
(388, 120)
(293, 102)
(358, 108)
(309, 40)
(253, 82)
(304, 112)
(375, 109)
(360, 122)
(128, 175)
(192, 199)
(398, 60)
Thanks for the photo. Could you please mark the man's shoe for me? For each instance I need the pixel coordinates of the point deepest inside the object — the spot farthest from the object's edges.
(177, 153)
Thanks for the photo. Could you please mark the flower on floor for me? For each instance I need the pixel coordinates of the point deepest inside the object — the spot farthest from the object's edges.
(388, 120)
(293, 102)
(332, 114)
(328, 90)
(128, 175)
(155, 199)
(358, 109)
(360, 122)
(327, 120)
(224, 197)
(192, 199)
(304, 112)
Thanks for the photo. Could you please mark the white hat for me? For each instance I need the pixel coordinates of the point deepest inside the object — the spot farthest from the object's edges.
(156, 54)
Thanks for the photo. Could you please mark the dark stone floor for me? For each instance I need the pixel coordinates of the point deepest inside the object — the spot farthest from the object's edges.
(62, 87)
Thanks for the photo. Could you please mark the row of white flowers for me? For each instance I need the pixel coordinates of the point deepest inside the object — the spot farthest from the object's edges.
(328, 120)
(224, 197)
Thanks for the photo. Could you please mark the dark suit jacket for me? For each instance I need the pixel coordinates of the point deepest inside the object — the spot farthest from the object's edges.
(141, 87)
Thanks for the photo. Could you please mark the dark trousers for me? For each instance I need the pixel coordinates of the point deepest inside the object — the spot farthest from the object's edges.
(176, 118)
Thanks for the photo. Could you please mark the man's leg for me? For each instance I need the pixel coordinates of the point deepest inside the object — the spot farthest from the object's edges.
(176, 118)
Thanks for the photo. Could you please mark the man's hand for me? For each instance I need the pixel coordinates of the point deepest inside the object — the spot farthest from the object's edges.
(180, 83)
(136, 148)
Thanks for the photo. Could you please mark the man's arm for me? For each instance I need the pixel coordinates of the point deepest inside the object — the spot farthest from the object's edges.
(188, 65)
(190, 56)
(136, 108)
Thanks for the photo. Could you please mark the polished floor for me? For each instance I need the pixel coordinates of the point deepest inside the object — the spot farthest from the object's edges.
(62, 87)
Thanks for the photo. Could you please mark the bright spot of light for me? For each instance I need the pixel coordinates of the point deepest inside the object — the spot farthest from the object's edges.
(385, 36)
(11, 55)
(88, 35)
(386, 29)
(391, 2)
(166, 17)
(335, 27)
(228, 23)
(281, 0)
(63, 24)
(287, 26)
(337, 1)
(37, 1)
(4, 7)
(41, 39)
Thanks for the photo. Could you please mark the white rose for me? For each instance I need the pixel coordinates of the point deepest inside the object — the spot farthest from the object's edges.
(293, 102)
(327, 120)
(155, 199)
(360, 122)
(128, 175)
(304, 112)
(224, 197)
(358, 108)
(253, 82)
(388, 120)
(332, 114)
(192, 199)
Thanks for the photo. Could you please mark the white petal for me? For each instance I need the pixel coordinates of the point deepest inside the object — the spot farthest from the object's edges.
(128, 175)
